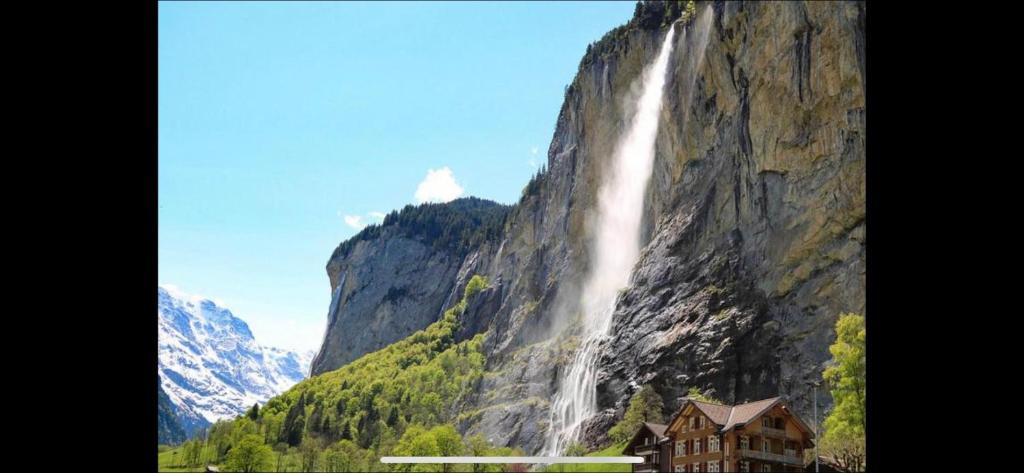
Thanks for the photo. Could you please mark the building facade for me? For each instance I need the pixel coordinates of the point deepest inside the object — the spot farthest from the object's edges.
(712, 438)
(650, 443)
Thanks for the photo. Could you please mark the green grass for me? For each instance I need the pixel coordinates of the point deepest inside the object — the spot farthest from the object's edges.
(612, 451)
(168, 461)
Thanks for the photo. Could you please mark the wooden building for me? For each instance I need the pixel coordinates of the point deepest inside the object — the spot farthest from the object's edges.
(651, 443)
(712, 438)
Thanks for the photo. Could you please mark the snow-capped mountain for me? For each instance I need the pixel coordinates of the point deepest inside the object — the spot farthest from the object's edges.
(211, 366)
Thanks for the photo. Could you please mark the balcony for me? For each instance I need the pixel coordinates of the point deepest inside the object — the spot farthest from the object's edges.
(642, 450)
(773, 432)
(772, 457)
(645, 467)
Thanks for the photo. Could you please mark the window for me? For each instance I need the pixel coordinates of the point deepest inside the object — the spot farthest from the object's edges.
(693, 423)
(767, 446)
(681, 448)
(696, 468)
(680, 468)
(712, 443)
(766, 467)
(744, 442)
(700, 421)
(696, 447)
(712, 467)
(646, 440)
(744, 466)
(766, 421)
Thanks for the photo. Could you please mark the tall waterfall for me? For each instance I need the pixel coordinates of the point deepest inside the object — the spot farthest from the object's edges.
(616, 248)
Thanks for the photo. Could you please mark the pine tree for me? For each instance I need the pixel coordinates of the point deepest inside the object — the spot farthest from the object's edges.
(254, 412)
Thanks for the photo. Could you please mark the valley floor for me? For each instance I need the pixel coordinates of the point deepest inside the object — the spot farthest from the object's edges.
(613, 451)
(169, 461)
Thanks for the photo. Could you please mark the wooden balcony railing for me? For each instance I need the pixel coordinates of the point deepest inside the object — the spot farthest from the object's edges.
(644, 449)
(773, 457)
(773, 432)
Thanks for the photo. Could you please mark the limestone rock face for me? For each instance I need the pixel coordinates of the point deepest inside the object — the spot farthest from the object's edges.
(754, 225)
(759, 243)
(388, 286)
(381, 297)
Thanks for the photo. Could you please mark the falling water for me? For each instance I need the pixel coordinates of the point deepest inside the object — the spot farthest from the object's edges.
(616, 249)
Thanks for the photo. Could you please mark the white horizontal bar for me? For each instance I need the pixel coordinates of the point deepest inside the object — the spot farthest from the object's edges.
(511, 459)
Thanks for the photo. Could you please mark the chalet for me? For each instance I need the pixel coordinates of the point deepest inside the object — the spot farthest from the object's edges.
(704, 437)
(651, 443)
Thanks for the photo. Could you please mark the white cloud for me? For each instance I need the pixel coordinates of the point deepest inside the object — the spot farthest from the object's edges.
(534, 150)
(533, 157)
(377, 215)
(355, 221)
(438, 186)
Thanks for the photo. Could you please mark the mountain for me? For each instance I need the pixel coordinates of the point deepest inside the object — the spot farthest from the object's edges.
(169, 431)
(392, 279)
(210, 365)
(753, 227)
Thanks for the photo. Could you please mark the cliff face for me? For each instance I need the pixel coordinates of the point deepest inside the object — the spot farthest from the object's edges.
(394, 279)
(754, 225)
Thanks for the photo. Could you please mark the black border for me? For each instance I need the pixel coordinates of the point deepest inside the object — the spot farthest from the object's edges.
(118, 251)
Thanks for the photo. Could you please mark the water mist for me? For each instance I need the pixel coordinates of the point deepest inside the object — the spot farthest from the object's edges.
(615, 249)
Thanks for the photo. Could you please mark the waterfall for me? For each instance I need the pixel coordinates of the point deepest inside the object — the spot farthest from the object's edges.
(615, 249)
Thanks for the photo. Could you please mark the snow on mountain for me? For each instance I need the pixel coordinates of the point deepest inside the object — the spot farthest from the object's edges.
(211, 366)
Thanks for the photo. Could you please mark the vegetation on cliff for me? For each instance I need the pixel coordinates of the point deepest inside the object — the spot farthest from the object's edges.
(645, 406)
(457, 226)
(398, 400)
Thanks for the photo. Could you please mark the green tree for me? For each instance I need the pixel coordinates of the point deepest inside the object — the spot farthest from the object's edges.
(281, 449)
(249, 455)
(336, 459)
(309, 452)
(294, 422)
(449, 443)
(254, 412)
(477, 446)
(845, 425)
(193, 452)
(645, 406)
(417, 441)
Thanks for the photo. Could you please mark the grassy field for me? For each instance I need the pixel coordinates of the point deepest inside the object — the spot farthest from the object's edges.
(168, 461)
(613, 451)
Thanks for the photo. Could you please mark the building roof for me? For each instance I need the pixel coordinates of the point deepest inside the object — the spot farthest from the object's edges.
(658, 429)
(743, 413)
(718, 413)
(729, 417)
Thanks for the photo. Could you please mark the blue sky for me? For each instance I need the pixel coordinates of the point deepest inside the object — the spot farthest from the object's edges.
(284, 127)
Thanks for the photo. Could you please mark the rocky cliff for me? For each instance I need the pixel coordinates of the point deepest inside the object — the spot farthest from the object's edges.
(753, 226)
(393, 279)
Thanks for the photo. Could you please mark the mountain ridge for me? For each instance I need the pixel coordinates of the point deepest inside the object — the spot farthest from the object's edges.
(211, 366)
